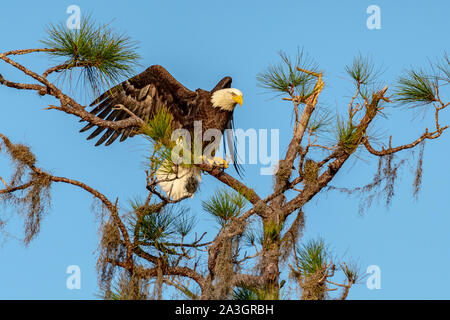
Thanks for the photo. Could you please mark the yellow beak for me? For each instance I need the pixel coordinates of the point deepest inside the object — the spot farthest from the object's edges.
(238, 99)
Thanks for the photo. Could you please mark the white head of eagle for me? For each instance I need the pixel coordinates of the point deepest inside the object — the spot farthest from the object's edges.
(226, 99)
(148, 92)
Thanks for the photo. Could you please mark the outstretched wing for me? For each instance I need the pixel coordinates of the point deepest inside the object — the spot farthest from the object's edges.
(143, 95)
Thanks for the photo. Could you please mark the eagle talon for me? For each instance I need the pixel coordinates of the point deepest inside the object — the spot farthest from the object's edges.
(222, 163)
(216, 161)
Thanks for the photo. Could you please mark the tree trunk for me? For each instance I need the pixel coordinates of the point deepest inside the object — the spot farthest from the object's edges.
(270, 258)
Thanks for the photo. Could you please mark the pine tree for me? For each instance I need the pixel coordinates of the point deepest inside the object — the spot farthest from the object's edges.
(157, 244)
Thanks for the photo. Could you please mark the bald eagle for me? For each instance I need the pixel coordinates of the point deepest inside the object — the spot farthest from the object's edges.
(155, 88)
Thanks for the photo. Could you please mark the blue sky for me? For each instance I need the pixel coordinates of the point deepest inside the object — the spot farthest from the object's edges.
(199, 42)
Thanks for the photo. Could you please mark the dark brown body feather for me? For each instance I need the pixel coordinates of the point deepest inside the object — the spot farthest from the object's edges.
(151, 90)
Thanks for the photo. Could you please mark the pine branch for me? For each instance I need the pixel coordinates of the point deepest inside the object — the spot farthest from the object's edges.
(103, 55)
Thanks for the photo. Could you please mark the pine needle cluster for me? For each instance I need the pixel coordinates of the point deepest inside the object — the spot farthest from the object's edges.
(102, 55)
(285, 78)
(225, 205)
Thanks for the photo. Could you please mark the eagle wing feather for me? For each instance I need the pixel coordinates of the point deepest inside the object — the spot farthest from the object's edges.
(143, 95)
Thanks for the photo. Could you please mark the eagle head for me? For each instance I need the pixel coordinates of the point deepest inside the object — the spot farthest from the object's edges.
(226, 99)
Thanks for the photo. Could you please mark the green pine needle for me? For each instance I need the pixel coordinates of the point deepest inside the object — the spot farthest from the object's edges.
(284, 77)
(444, 67)
(103, 55)
(184, 223)
(347, 135)
(320, 122)
(362, 70)
(244, 293)
(351, 271)
(159, 128)
(224, 205)
(312, 257)
(416, 87)
(252, 237)
(157, 229)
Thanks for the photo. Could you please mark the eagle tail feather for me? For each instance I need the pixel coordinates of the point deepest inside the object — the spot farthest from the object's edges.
(180, 182)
